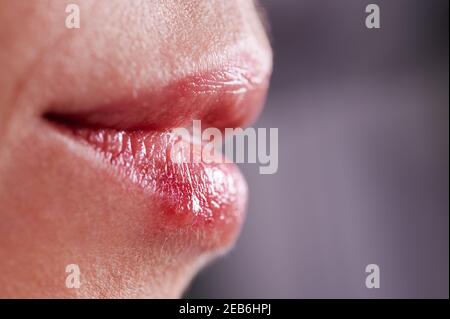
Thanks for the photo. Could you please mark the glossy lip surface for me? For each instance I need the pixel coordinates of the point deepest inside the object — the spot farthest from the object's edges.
(229, 97)
(189, 194)
(134, 136)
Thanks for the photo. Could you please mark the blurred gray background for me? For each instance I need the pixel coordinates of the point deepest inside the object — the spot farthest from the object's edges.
(363, 118)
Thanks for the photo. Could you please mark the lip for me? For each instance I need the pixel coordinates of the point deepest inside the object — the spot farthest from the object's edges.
(231, 96)
(133, 135)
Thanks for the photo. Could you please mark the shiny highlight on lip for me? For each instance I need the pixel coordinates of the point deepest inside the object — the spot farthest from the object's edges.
(188, 194)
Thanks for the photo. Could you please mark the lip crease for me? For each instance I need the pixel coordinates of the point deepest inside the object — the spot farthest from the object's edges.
(230, 97)
(134, 137)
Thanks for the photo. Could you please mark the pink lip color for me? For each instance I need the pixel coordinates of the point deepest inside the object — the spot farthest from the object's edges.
(133, 136)
(229, 97)
(189, 194)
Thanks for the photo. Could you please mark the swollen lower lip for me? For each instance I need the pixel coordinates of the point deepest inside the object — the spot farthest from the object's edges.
(189, 194)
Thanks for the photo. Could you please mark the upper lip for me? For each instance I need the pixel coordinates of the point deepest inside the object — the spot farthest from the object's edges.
(231, 96)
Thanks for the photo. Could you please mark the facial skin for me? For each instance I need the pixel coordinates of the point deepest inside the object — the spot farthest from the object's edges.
(59, 205)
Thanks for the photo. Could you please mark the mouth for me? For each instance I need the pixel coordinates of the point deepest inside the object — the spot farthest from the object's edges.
(133, 136)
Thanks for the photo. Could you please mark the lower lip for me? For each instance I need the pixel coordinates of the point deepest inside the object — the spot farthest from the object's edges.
(196, 195)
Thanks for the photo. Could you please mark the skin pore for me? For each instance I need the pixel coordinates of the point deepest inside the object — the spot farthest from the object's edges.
(59, 204)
